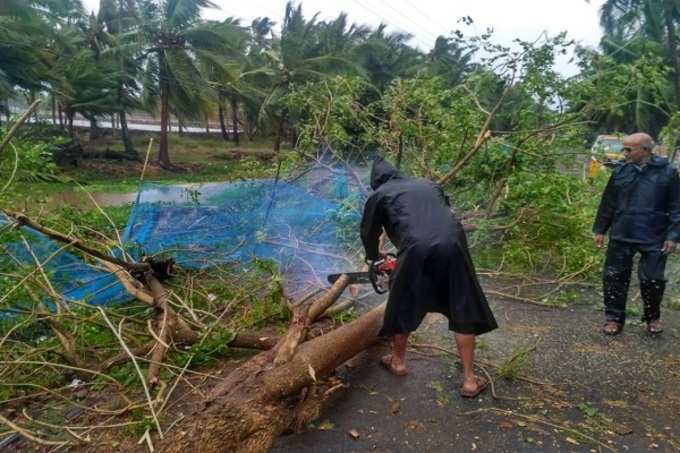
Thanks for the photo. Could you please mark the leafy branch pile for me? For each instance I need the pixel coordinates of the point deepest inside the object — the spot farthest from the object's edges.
(69, 349)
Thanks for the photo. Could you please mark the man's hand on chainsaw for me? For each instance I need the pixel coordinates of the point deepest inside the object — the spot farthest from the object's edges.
(381, 257)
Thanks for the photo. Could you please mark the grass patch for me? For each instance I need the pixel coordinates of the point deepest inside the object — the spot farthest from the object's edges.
(513, 368)
(443, 396)
(203, 158)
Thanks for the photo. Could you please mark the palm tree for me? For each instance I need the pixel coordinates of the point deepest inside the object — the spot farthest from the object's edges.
(120, 16)
(623, 19)
(49, 45)
(173, 41)
(448, 60)
(299, 56)
(82, 79)
(225, 74)
(97, 40)
(387, 56)
(258, 83)
(24, 58)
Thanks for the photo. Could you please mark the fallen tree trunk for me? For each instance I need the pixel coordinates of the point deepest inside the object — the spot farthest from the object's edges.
(265, 339)
(258, 401)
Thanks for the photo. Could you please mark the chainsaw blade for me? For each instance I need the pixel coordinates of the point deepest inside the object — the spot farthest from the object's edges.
(354, 277)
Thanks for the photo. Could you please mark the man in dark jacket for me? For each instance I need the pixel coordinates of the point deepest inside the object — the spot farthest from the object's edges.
(640, 208)
(434, 270)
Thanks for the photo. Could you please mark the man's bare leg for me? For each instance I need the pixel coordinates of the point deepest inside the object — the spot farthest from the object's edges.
(466, 350)
(396, 362)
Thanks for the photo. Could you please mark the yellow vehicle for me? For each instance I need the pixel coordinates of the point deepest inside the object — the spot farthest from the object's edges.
(607, 150)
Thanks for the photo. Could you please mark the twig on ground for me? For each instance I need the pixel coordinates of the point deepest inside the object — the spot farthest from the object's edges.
(30, 436)
(542, 421)
(30, 274)
(67, 367)
(525, 300)
(485, 362)
(71, 402)
(139, 371)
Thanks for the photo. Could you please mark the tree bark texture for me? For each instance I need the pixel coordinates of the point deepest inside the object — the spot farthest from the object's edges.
(69, 118)
(125, 135)
(54, 110)
(61, 116)
(669, 6)
(260, 400)
(279, 132)
(234, 119)
(95, 132)
(247, 411)
(163, 155)
(223, 126)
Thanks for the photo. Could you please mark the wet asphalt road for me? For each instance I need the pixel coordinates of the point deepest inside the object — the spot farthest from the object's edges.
(597, 393)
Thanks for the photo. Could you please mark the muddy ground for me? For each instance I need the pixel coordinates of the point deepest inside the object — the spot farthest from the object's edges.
(589, 392)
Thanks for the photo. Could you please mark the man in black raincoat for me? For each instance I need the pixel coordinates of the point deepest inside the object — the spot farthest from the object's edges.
(434, 270)
(640, 208)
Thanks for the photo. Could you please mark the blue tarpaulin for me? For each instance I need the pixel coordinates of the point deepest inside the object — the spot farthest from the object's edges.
(304, 224)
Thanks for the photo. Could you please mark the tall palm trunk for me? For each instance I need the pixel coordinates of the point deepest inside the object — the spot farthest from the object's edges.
(280, 131)
(61, 117)
(35, 111)
(668, 6)
(128, 146)
(54, 111)
(125, 134)
(95, 132)
(69, 117)
(293, 137)
(223, 126)
(234, 119)
(163, 155)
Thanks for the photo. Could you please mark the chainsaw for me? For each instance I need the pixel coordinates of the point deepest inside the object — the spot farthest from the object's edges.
(378, 274)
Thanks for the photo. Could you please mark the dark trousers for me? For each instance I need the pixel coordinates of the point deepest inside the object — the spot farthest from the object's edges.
(616, 279)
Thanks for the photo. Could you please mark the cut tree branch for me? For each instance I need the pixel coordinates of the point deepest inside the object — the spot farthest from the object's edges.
(15, 126)
(22, 219)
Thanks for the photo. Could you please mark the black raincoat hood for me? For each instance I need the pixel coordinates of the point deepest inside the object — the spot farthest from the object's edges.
(641, 204)
(382, 172)
(434, 270)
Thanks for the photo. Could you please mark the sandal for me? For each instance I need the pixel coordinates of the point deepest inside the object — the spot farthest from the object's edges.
(654, 327)
(612, 328)
(482, 384)
(386, 361)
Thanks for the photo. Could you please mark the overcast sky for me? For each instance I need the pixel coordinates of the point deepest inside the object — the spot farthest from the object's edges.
(426, 19)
